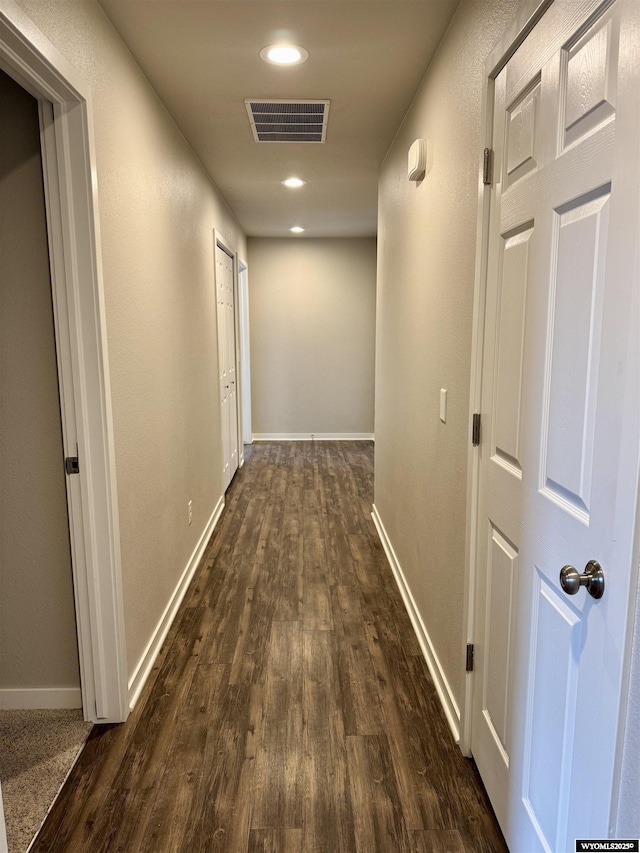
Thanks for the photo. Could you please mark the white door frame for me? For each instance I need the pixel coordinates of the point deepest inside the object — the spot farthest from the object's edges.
(219, 241)
(85, 398)
(245, 353)
(497, 59)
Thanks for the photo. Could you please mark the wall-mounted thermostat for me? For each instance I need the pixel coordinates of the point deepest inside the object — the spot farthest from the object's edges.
(417, 160)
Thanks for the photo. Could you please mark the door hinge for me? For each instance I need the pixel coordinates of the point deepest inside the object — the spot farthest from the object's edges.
(469, 664)
(487, 167)
(72, 463)
(475, 430)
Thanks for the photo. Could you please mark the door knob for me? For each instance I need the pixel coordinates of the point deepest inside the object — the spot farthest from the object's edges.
(593, 579)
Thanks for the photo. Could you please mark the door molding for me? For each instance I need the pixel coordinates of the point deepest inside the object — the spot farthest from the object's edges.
(68, 153)
(244, 374)
(497, 59)
(220, 242)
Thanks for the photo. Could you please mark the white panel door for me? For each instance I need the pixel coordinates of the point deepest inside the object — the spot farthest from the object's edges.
(227, 363)
(560, 448)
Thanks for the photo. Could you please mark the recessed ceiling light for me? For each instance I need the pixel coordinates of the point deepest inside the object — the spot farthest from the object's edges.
(294, 182)
(284, 54)
(297, 229)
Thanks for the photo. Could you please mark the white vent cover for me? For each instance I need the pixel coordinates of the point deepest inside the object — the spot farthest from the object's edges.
(288, 121)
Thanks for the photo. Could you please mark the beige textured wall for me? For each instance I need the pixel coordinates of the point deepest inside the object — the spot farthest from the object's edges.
(38, 645)
(158, 210)
(426, 252)
(312, 304)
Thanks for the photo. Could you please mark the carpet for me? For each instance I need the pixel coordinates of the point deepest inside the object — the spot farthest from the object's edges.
(37, 750)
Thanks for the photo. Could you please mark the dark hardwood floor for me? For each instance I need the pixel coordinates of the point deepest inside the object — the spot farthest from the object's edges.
(290, 709)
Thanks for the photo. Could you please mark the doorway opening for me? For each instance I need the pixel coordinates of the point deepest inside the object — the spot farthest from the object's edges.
(38, 641)
(68, 163)
(228, 333)
(245, 354)
(41, 718)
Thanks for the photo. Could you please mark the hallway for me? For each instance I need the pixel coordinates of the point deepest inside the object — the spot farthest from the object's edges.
(290, 708)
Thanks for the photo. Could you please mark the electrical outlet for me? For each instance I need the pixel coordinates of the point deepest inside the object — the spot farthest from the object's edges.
(190, 508)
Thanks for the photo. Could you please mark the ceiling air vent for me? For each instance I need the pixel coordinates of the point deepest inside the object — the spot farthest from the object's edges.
(288, 121)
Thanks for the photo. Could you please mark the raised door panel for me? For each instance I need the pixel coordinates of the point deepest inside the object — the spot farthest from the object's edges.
(512, 288)
(522, 134)
(502, 578)
(575, 321)
(590, 63)
(554, 674)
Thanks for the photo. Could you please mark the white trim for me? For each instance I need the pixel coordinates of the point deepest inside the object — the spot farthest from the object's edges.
(245, 351)
(445, 694)
(219, 241)
(225, 245)
(69, 159)
(313, 436)
(524, 22)
(238, 352)
(146, 662)
(30, 699)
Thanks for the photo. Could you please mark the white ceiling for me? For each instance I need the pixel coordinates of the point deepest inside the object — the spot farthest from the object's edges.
(367, 57)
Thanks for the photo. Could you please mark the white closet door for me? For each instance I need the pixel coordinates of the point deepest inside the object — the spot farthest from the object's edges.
(227, 363)
(560, 451)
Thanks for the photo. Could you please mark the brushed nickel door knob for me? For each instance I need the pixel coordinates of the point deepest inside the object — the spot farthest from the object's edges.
(593, 578)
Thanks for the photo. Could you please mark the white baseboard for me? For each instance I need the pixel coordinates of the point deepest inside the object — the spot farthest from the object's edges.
(32, 699)
(449, 704)
(313, 436)
(145, 664)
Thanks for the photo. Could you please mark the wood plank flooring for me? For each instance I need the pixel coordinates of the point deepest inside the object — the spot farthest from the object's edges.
(290, 709)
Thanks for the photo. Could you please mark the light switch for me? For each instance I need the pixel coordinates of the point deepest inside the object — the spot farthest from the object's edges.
(443, 405)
